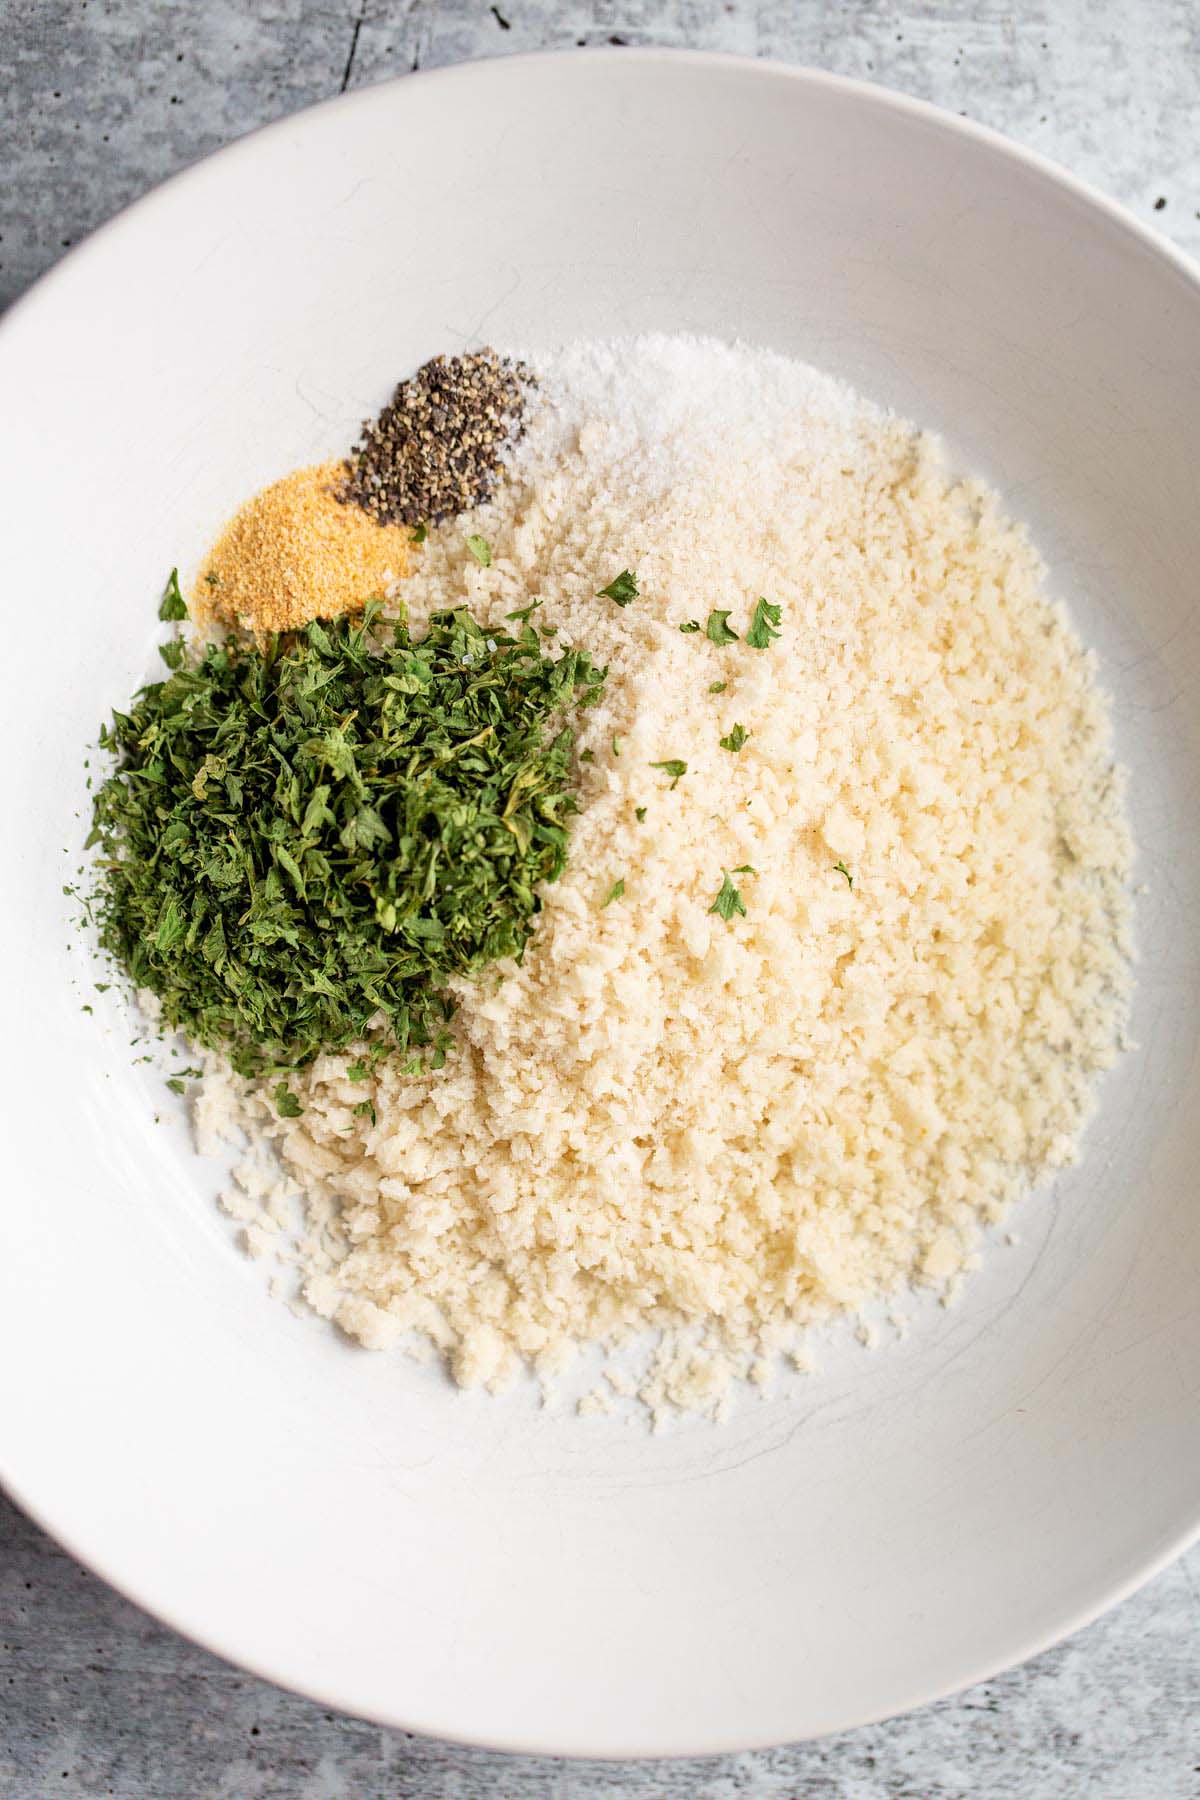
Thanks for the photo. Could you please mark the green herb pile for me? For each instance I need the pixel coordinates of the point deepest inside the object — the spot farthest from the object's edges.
(298, 837)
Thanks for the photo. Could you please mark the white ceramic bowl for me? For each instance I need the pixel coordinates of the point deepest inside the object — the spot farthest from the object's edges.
(347, 1524)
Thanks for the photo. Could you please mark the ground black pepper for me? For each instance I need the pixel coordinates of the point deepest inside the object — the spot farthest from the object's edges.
(435, 449)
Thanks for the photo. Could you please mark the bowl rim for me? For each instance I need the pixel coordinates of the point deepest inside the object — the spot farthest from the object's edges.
(383, 93)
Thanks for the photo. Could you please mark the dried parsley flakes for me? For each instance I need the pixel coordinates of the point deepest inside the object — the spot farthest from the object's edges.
(622, 588)
(764, 625)
(300, 837)
(173, 605)
(673, 767)
(729, 901)
(717, 629)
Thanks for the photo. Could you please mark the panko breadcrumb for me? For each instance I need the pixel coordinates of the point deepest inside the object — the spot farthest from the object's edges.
(733, 1128)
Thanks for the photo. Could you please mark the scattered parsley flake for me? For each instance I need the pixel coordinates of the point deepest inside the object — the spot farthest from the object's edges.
(841, 869)
(173, 605)
(717, 630)
(765, 624)
(734, 739)
(176, 1084)
(614, 892)
(524, 612)
(692, 625)
(640, 813)
(480, 549)
(673, 767)
(622, 588)
(286, 1103)
(364, 1110)
(717, 687)
(419, 533)
(357, 1071)
(728, 901)
(744, 869)
(587, 756)
(616, 746)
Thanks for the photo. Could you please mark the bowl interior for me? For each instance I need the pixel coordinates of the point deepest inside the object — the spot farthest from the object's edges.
(345, 1523)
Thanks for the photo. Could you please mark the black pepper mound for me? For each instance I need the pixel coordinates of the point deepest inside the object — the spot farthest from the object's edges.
(435, 450)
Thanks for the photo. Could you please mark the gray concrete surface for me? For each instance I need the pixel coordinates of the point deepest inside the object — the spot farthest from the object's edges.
(100, 99)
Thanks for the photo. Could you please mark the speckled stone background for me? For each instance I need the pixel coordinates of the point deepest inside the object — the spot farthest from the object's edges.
(99, 99)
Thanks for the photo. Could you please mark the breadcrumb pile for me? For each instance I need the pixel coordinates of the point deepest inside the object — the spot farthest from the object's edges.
(731, 1129)
(295, 553)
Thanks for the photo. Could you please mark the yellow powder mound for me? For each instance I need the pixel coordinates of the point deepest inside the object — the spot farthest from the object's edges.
(294, 553)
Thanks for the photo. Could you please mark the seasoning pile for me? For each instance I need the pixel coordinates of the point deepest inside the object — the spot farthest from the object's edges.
(436, 449)
(816, 984)
(295, 553)
(298, 843)
(322, 541)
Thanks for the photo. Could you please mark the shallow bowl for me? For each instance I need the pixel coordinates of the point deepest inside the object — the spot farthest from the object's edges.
(349, 1525)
